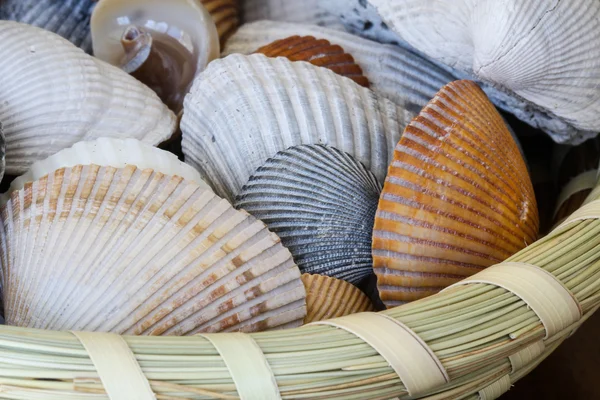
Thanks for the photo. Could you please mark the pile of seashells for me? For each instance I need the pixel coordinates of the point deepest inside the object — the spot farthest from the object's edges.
(324, 173)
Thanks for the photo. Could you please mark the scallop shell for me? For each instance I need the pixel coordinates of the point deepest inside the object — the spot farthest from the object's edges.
(321, 202)
(67, 18)
(457, 198)
(394, 72)
(544, 52)
(244, 109)
(225, 14)
(318, 52)
(328, 298)
(308, 12)
(54, 95)
(140, 250)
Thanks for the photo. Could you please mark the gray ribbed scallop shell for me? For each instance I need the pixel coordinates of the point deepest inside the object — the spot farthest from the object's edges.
(321, 202)
(68, 18)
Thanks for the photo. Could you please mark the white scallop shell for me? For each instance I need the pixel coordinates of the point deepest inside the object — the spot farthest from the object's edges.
(321, 203)
(54, 95)
(396, 73)
(307, 11)
(244, 109)
(544, 52)
(137, 251)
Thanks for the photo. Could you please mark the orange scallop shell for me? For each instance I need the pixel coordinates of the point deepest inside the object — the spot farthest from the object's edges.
(318, 52)
(457, 198)
(225, 14)
(328, 297)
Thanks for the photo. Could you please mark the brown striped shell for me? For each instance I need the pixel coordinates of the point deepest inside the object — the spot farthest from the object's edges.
(457, 198)
(225, 14)
(318, 52)
(328, 297)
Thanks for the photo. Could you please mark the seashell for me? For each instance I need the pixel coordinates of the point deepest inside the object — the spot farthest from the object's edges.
(244, 109)
(225, 14)
(544, 52)
(54, 95)
(328, 298)
(163, 44)
(394, 72)
(67, 18)
(2, 157)
(317, 52)
(457, 198)
(308, 12)
(321, 203)
(139, 250)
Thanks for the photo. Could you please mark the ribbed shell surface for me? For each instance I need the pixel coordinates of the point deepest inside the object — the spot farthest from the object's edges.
(457, 198)
(307, 12)
(54, 95)
(138, 252)
(328, 298)
(67, 18)
(394, 72)
(225, 13)
(244, 109)
(321, 203)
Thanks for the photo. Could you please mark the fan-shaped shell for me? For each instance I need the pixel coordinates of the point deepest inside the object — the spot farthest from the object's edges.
(394, 72)
(328, 298)
(321, 203)
(225, 14)
(317, 52)
(543, 51)
(54, 95)
(67, 18)
(307, 12)
(244, 109)
(135, 250)
(457, 198)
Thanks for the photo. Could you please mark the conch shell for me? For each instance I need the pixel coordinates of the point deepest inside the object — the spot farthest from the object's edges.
(457, 198)
(54, 95)
(124, 243)
(163, 44)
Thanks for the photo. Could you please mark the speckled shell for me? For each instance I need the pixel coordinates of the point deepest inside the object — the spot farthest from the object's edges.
(307, 12)
(321, 203)
(394, 72)
(136, 251)
(328, 298)
(244, 109)
(544, 52)
(67, 18)
(225, 13)
(54, 95)
(318, 52)
(457, 198)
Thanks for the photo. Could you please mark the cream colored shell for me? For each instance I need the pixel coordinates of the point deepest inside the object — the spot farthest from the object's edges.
(54, 95)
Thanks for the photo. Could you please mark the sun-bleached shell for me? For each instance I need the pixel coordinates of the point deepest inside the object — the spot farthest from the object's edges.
(321, 203)
(244, 109)
(457, 198)
(394, 72)
(132, 250)
(225, 14)
(54, 95)
(67, 18)
(308, 12)
(328, 298)
(543, 52)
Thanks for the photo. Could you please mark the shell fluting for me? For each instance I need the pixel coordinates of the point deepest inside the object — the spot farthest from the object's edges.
(54, 95)
(244, 109)
(309, 12)
(457, 198)
(135, 251)
(321, 203)
(225, 14)
(328, 298)
(318, 52)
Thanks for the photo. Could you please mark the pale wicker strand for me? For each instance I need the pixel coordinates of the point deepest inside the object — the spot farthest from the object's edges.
(583, 181)
(526, 356)
(116, 365)
(496, 389)
(590, 210)
(409, 356)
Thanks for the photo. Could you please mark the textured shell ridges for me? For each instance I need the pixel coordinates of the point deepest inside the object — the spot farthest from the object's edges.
(54, 95)
(244, 109)
(135, 251)
(394, 72)
(321, 203)
(309, 12)
(225, 14)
